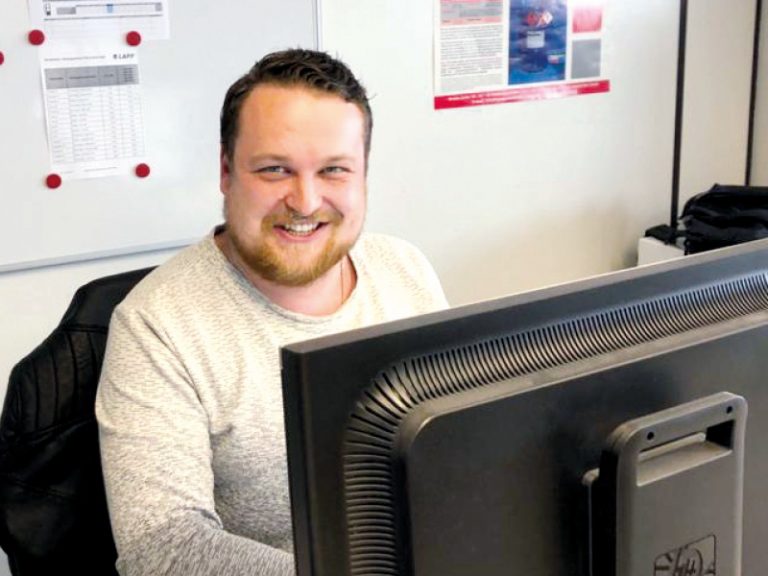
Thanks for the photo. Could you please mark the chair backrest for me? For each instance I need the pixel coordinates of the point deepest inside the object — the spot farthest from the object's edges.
(53, 512)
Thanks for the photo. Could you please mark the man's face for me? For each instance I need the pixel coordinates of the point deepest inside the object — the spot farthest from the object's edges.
(294, 190)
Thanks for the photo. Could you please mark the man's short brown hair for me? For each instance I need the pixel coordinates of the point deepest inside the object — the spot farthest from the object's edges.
(300, 68)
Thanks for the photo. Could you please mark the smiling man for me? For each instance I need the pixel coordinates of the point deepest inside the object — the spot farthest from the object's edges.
(294, 189)
(189, 404)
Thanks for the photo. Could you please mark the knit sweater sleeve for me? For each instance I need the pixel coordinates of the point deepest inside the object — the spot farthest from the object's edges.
(157, 463)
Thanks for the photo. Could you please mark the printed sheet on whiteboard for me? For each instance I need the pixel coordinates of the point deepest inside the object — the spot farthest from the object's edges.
(500, 51)
(88, 19)
(93, 110)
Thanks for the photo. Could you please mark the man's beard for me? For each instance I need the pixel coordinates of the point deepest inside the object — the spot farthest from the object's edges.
(274, 265)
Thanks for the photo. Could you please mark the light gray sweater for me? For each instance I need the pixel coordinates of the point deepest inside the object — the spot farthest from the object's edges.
(190, 407)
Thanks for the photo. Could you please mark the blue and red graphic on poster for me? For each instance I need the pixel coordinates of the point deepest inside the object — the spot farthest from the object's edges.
(537, 40)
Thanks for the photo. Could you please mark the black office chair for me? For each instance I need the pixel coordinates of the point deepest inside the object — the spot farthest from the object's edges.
(53, 512)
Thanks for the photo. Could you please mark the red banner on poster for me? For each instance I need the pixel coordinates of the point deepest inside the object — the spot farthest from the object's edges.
(521, 94)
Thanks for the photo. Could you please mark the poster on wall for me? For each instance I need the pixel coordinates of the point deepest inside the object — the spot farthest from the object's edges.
(83, 19)
(502, 51)
(90, 80)
(93, 110)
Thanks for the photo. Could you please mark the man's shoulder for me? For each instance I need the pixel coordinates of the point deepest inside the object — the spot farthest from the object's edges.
(397, 264)
(180, 277)
(390, 249)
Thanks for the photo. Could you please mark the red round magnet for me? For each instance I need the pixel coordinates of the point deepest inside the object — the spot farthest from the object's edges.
(2, 58)
(53, 181)
(133, 38)
(36, 37)
(142, 170)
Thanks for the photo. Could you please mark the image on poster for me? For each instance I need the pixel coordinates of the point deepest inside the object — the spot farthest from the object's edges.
(538, 31)
(494, 52)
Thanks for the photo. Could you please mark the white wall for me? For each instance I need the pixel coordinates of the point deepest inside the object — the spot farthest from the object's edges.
(498, 197)
(718, 80)
(512, 197)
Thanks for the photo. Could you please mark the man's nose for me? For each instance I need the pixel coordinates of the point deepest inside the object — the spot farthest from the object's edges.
(304, 198)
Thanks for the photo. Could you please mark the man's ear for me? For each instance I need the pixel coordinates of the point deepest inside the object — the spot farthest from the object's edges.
(225, 171)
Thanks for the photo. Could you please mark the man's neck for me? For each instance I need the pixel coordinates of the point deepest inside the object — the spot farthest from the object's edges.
(322, 297)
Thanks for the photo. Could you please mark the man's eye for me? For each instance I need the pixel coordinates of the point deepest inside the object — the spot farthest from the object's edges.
(272, 170)
(335, 170)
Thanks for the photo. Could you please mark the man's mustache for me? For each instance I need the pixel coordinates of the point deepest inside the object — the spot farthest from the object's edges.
(322, 216)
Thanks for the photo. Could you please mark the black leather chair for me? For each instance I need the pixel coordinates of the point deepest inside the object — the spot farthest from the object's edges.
(53, 512)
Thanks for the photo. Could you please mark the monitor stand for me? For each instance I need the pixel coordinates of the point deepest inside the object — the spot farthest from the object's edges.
(667, 498)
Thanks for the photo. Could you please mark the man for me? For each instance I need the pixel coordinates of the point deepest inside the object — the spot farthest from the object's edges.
(189, 404)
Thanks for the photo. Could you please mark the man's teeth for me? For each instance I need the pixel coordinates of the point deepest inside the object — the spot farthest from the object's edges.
(301, 229)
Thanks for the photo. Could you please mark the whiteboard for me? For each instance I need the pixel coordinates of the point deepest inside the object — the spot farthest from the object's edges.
(183, 82)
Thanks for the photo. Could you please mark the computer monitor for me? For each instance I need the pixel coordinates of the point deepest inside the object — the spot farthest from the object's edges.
(610, 426)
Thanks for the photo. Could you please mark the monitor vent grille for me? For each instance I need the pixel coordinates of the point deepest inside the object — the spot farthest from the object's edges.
(393, 394)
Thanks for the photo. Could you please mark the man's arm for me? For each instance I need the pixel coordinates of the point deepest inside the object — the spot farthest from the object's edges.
(157, 462)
